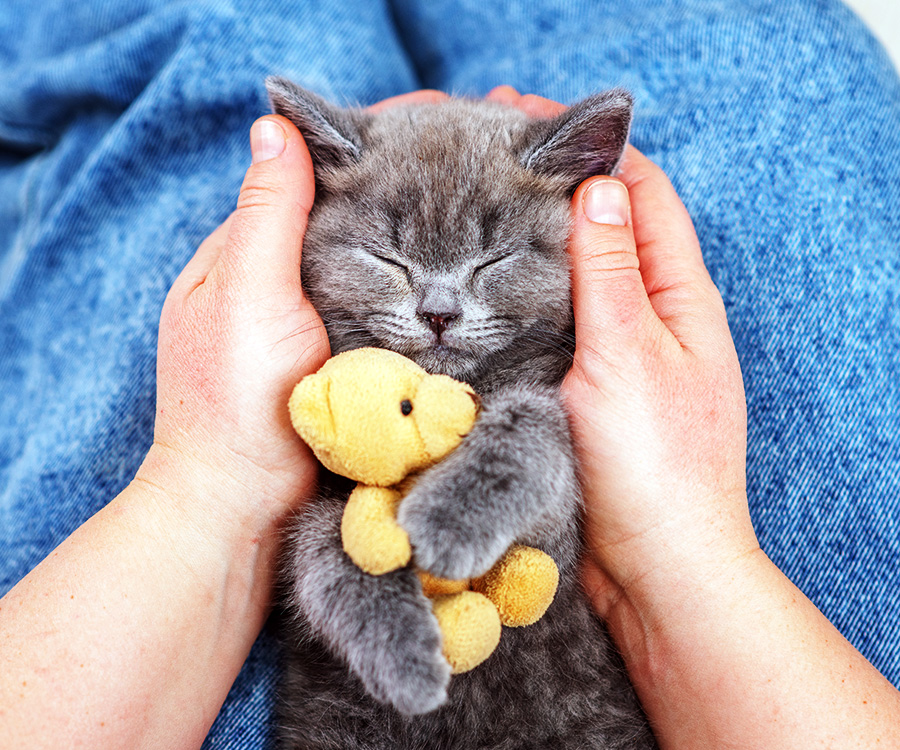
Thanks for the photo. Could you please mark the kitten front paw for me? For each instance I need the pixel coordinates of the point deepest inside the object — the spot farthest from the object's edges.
(448, 539)
(411, 674)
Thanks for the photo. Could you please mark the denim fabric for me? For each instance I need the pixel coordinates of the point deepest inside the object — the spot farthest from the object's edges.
(123, 142)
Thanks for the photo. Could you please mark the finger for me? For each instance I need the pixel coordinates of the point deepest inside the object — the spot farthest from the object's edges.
(504, 95)
(676, 279)
(425, 96)
(530, 104)
(537, 106)
(262, 251)
(611, 306)
(662, 223)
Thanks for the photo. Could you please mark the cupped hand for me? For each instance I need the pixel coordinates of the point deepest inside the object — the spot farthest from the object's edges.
(655, 392)
(236, 334)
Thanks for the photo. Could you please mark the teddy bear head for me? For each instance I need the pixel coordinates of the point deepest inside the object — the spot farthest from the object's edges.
(375, 416)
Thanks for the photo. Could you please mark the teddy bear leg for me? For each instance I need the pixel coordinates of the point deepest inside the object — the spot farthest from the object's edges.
(470, 628)
(521, 585)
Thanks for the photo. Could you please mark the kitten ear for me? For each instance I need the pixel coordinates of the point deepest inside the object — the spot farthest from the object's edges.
(331, 133)
(587, 139)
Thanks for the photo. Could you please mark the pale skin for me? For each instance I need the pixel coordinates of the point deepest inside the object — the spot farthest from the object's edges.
(131, 632)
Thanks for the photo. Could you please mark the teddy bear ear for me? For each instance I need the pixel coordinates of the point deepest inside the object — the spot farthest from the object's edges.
(310, 410)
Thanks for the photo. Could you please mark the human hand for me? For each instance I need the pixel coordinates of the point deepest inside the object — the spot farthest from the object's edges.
(236, 334)
(655, 392)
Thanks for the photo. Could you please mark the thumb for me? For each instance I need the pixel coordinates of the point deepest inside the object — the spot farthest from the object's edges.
(608, 296)
(266, 231)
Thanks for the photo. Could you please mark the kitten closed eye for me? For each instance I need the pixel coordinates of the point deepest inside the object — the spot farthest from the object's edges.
(392, 262)
(492, 262)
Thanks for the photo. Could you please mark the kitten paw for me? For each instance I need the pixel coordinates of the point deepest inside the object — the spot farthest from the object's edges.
(392, 640)
(412, 676)
(447, 540)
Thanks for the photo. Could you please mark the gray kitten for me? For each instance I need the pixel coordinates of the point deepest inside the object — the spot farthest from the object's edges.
(439, 231)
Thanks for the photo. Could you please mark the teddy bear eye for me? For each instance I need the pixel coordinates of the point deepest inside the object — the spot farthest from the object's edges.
(406, 407)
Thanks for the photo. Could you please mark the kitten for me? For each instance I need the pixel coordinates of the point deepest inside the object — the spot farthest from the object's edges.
(439, 231)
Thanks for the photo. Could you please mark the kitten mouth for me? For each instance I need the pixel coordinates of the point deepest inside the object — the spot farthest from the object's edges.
(447, 350)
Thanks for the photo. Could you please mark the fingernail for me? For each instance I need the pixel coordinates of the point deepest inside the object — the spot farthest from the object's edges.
(606, 202)
(266, 140)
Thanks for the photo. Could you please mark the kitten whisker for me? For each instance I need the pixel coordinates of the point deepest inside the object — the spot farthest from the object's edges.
(311, 326)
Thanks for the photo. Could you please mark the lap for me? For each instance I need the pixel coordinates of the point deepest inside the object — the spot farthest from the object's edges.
(123, 143)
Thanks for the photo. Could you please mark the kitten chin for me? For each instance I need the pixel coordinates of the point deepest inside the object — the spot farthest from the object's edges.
(447, 360)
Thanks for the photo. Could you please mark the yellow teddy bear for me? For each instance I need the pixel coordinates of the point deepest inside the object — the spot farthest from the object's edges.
(378, 418)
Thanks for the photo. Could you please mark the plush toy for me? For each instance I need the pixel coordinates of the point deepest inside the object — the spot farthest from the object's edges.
(378, 418)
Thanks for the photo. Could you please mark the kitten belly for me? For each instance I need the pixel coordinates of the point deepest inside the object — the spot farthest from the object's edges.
(556, 684)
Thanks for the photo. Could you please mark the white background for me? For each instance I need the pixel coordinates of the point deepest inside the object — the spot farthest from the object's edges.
(883, 18)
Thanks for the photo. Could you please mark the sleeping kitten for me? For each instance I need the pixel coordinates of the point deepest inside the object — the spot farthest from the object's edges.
(439, 231)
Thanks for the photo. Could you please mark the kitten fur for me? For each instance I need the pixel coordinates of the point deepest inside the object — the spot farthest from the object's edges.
(439, 232)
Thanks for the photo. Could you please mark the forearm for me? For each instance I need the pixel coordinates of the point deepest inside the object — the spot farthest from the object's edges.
(132, 631)
(735, 656)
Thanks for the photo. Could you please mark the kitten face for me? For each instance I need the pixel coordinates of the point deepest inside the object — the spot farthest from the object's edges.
(433, 233)
(445, 253)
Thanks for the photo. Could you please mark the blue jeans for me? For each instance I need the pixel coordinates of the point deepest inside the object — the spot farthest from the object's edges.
(123, 142)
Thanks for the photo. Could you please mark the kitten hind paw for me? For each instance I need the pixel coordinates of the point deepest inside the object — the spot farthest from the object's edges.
(397, 651)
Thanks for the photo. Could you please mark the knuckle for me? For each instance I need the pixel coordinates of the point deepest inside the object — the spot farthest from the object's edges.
(257, 196)
(715, 300)
(615, 273)
(613, 263)
(611, 254)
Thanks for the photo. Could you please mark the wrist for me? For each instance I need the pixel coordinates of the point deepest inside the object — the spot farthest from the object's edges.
(664, 617)
(229, 520)
(228, 496)
(682, 633)
(148, 603)
(644, 583)
(667, 533)
(733, 654)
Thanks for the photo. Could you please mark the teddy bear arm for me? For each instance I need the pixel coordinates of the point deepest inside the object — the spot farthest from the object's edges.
(370, 533)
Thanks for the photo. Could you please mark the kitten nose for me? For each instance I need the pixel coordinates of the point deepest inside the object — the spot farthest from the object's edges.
(438, 322)
(439, 304)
